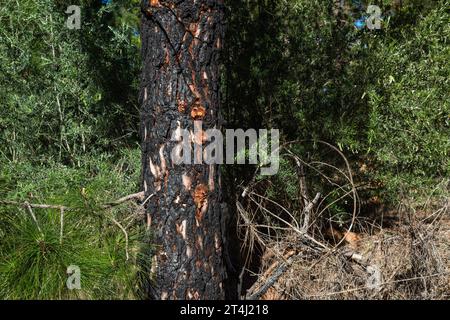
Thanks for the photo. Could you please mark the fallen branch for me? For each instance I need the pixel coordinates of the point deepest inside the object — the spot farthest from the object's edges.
(139, 196)
(32, 205)
(271, 280)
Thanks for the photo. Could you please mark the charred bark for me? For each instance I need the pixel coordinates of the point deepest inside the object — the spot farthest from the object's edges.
(181, 41)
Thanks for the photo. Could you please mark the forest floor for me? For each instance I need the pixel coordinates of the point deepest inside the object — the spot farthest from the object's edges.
(407, 258)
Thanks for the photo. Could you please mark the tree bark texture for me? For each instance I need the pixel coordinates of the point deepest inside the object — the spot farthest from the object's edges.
(181, 41)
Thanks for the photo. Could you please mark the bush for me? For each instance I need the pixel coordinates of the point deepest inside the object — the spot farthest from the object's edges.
(33, 262)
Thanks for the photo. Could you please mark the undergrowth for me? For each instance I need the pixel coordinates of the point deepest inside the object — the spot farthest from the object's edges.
(34, 257)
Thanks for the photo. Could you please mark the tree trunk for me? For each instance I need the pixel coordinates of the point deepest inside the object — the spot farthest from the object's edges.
(181, 40)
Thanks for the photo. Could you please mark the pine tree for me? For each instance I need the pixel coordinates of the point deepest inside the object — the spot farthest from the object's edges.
(181, 41)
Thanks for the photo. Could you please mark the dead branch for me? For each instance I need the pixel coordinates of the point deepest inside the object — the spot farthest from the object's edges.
(307, 211)
(117, 223)
(26, 205)
(61, 221)
(139, 196)
(276, 274)
(32, 205)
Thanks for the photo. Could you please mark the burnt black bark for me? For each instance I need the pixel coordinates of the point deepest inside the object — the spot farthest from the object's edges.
(181, 41)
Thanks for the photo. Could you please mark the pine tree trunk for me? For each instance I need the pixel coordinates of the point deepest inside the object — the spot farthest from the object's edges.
(181, 41)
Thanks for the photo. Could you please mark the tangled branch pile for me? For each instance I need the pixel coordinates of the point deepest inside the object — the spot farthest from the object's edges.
(307, 249)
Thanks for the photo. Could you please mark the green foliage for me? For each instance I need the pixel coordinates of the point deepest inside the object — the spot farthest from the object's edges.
(380, 95)
(33, 264)
(409, 120)
(66, 93)
(285, 183)
(68, 123)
